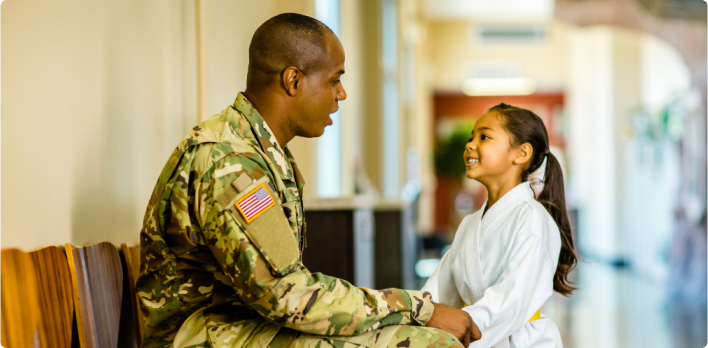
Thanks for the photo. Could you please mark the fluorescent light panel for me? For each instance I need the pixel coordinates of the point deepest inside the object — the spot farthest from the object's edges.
(491, 86)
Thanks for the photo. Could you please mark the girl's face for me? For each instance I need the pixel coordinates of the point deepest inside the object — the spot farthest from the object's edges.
(488, 154)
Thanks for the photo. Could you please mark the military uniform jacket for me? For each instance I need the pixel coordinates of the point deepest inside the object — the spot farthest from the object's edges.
(222, 243)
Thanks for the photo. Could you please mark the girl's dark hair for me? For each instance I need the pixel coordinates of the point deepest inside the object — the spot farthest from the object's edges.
(524, 126)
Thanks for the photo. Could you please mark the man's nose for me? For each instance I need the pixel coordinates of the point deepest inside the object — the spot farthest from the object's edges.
(341, 93)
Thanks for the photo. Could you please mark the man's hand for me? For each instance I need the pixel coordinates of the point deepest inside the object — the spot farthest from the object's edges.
(456, 322)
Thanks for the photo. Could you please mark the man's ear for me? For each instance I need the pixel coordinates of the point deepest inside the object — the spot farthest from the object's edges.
(523, 153)
(292, 79)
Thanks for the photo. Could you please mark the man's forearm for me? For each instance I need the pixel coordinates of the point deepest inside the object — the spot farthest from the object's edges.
(324, 305)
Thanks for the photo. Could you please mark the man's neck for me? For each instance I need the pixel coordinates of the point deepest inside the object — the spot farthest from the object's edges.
(270, 107)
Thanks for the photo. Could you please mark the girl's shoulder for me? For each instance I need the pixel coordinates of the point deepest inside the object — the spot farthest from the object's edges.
(535, 219)
(468, 221)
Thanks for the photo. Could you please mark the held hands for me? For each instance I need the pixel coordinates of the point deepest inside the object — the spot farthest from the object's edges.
(456, 322)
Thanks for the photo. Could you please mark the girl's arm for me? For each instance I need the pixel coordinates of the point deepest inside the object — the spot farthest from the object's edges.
(433, 284)
(441, 285)
(525, 284)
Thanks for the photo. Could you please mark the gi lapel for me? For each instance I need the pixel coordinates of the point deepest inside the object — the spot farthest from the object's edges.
(473, 263)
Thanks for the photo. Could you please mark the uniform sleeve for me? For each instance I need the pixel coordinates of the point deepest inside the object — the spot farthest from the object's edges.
(525, 284)
(307, 302)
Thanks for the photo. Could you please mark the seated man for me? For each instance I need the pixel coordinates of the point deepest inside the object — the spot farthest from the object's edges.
(222, 238)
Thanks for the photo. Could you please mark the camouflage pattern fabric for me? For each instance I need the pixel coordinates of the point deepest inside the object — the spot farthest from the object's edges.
(211, 278)
(394, 336)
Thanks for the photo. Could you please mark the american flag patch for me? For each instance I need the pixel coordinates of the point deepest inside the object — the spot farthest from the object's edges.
(255, 203)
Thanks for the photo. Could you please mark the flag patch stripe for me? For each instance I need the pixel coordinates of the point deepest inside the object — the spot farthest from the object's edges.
(255, 203)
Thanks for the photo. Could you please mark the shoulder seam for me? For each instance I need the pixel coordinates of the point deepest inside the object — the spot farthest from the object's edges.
(545, 252)
(234, 154)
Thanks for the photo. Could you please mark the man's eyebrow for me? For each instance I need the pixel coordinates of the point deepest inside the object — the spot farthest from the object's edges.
(340, 72)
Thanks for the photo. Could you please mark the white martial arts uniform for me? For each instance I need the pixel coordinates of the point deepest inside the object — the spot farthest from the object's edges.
(503, 264)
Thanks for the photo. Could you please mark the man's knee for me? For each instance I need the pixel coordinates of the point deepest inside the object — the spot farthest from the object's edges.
(423, 337)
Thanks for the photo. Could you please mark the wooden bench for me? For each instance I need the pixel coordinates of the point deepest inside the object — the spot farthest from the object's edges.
(131, 255)
(55, 295)
(43, 290)
(20, 301)
(97, 278)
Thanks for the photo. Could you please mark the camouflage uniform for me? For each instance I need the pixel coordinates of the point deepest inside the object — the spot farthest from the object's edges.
(213, 277)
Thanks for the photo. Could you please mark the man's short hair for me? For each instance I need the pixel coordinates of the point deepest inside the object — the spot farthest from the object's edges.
(286, 40)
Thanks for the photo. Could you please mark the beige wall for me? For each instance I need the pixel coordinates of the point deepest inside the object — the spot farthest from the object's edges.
(352, 37)
(417, 109)
(453, 52)
(96, 95)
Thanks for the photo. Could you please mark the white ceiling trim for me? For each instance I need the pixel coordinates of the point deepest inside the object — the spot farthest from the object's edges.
(489, 10)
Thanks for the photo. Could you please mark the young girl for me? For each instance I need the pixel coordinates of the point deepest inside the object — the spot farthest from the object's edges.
(508, 258)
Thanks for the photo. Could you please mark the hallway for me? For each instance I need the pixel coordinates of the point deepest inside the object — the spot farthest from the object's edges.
(616, 307)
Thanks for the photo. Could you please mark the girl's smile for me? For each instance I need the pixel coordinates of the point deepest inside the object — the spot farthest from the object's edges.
(472, 161)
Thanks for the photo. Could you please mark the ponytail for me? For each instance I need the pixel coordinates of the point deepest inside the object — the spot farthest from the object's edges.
(552, 197)
(524, 126)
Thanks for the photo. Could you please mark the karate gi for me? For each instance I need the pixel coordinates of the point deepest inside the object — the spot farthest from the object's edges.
(500, 270)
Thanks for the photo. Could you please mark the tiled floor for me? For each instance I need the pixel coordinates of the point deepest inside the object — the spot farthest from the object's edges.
(615, 308)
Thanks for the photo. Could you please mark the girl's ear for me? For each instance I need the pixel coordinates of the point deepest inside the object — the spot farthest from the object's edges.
(523, 153)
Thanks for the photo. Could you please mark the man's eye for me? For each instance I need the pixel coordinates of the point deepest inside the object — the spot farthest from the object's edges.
(337, 82)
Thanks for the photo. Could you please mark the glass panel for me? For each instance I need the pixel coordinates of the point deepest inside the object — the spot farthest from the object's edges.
(329, 154)
(391, 155)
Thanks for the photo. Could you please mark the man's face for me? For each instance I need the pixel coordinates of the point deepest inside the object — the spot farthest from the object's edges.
(321, 92)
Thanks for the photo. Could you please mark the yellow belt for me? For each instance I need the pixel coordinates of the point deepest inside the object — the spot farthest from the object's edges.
(535, 316)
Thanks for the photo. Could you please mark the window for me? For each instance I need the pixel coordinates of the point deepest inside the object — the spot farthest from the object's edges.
(391, 155)
(329, 154)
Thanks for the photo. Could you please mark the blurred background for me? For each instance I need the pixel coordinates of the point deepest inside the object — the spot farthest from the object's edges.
(96, 95)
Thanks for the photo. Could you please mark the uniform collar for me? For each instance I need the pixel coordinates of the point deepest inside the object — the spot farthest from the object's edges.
(282, 159)
(509, 200)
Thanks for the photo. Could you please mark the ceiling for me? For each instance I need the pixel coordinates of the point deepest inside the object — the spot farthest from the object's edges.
(489, 10)
(676, 9)
(526, 10)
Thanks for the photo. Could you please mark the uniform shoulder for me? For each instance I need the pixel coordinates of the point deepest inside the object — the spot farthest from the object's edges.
(224, 134)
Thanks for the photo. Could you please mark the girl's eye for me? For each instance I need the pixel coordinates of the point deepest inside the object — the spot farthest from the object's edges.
(483, 137)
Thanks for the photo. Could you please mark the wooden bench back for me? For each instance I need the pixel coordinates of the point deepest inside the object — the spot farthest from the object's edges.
(98, 289)
(132, 261)
(20, 301)
(55, 295)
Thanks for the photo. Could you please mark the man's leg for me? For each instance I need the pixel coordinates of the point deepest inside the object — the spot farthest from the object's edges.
(394, 336)
(422, 337)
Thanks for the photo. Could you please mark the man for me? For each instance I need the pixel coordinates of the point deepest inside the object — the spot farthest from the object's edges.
(221, 242)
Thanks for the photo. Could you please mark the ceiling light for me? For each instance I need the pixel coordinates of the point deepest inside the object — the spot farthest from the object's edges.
(498, 86)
